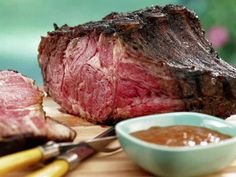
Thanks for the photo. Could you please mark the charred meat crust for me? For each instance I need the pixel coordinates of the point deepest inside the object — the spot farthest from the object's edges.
(20, 142)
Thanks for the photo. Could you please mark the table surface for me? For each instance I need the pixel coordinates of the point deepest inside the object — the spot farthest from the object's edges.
(114, 164)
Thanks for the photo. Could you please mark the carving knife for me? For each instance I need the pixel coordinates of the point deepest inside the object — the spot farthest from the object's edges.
(51, 150)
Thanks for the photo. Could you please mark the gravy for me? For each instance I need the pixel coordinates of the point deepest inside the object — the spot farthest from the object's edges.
(180, 135)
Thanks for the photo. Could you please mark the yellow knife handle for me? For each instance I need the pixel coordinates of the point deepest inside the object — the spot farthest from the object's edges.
(20, 160)
(57, 168)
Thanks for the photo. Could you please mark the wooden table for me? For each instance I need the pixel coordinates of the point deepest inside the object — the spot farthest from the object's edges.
(101, 165)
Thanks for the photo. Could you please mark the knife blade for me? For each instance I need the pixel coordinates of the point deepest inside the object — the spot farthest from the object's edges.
(104, 137)
(71, 158)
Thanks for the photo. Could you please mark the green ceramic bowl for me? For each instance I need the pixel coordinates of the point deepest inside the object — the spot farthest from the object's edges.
(178, 161)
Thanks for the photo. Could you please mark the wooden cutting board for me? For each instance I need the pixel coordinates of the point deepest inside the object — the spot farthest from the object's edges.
(114, 164)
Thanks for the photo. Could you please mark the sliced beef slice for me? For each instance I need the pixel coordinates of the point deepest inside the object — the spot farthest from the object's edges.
(22, 120)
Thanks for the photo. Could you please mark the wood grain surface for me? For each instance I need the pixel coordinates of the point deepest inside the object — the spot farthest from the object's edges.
(114, 164)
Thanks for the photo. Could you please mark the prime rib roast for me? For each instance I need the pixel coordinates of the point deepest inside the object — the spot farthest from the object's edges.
(131, 64)
(23, 122)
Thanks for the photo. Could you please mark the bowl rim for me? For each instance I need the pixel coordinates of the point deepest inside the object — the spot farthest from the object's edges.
(120, 131)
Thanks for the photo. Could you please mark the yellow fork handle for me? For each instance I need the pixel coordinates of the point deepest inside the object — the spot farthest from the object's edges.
(57, 168)
(20, 160)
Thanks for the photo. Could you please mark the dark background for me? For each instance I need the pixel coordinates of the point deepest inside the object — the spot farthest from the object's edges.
(22, 22)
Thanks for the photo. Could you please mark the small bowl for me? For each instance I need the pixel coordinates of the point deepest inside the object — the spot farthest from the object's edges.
(178, 161)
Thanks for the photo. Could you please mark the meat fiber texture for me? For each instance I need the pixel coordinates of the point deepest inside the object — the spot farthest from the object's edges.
(132, 64)
(22, 119)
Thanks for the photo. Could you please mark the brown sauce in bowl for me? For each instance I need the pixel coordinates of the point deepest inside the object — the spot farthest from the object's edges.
(180, 135)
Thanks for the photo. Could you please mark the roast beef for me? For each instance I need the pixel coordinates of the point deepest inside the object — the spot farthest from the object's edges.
(22, 120)
(131, 64)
